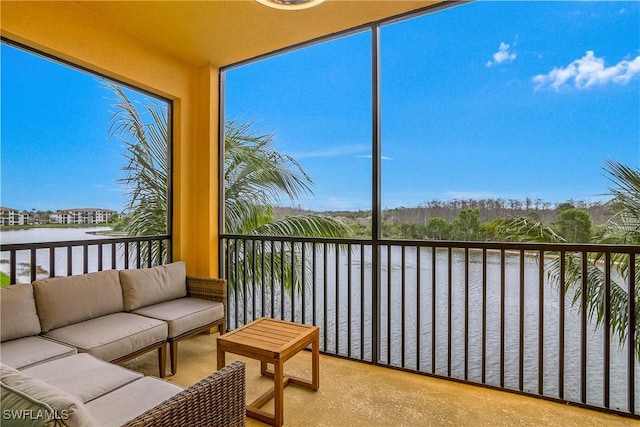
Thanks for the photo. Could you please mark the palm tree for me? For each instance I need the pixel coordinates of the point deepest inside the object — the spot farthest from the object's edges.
(622, 229)
(146, 174)
(256, 177)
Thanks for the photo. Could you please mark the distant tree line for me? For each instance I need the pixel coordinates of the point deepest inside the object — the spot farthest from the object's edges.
(477, 220)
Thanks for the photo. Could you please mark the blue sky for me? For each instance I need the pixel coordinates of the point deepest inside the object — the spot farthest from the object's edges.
(483, 100)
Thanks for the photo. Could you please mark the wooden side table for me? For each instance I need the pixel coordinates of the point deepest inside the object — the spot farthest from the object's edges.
(273, 341)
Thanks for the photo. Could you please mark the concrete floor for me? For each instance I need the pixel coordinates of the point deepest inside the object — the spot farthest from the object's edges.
(357, 394)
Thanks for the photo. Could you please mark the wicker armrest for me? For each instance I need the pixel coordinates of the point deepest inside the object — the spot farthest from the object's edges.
(218, 400)
(207, 288)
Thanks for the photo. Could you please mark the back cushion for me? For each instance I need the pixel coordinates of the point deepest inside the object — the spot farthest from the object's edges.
(62, 301)
(18, 316)
(28, 401)
(148, 286)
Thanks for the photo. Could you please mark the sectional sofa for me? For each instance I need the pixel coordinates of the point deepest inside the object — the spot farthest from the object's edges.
(63, 332)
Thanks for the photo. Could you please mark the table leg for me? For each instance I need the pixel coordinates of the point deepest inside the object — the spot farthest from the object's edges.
(278, 393)
(220, 357)
(315, 363)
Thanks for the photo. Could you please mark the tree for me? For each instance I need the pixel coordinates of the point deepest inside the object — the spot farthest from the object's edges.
(623, 228)
(438, 228)
(574, 225)
(467, 226)
(146, 173)
(256, 178)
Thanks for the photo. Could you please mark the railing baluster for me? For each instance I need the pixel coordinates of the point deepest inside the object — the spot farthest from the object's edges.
(522, 326)
(403, 269)
(69, 260)
(449, 308)
(52, 262)
(561, 326)
(389, 250)
(433, 309)
(349, 308)
(541, 262)
(484, 316)
(502, 312)
(336, 317)
(85, 259)
(362, 302)
(466, 313)
(607, 333)
(583, 328)
(418, 308)
(33, 264)
(632, 290)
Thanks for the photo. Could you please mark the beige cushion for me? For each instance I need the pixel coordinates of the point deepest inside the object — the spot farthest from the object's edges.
(31, 401)
(83, 376)
(148, 286)
(18, 316)
(126, 403)
(184, 314)
(113, 336)
(62, 301)
(28, 351)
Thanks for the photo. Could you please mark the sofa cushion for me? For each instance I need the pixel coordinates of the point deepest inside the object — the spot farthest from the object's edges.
(147, 286)
(31, 401)
(112, 336)
(83, 376)
(184, 314)
(117, 407)
(63, 301)
(25, 352)
(18, 316)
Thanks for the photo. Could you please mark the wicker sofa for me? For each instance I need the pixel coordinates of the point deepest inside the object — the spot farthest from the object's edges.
(83, 391)
(113, 315)
(59, 335)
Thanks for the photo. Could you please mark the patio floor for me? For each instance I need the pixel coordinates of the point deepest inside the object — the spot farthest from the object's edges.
(358, 394)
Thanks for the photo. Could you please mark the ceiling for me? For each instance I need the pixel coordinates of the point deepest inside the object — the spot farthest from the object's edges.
(224, 32)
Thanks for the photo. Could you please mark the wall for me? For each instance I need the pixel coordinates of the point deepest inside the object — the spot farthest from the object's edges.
(70, 32)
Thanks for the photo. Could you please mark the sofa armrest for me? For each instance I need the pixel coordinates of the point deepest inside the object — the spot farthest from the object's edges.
(217, 400)
(207, 288)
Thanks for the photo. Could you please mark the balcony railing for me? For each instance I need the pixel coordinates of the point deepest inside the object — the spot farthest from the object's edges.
(503, 315)
(27, 262)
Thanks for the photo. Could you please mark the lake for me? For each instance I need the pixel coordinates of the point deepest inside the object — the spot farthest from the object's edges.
(330, 284)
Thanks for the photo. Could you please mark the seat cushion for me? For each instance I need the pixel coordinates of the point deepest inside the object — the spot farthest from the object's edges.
(184, 314)
(25, 352)
(147, 286)
(63, 301)
(28, 401)
(18, 316)
(126, 403)
(83, 376)
(113, 336)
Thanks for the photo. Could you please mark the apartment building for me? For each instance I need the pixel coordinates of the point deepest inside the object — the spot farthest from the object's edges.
(81, 216)
(10, 216)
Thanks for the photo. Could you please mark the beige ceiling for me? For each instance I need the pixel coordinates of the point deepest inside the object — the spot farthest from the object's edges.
(223, 32)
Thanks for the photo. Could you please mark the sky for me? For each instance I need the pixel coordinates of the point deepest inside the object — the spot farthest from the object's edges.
(497, 99)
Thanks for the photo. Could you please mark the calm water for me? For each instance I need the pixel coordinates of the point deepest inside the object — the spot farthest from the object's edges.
(33, 235)
(330, 283)
(399, 334)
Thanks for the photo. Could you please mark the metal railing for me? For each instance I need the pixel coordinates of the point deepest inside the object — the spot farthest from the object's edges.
(28, 262)
(503, 315)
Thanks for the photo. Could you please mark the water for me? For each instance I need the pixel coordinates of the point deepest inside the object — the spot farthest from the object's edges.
(34, 235)
(406, 319)
(340, 285)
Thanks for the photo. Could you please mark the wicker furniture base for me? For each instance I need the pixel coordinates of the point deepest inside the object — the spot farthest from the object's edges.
(273, 342)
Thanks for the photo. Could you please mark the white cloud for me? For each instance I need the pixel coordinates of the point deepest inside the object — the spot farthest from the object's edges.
(369, 156)
(587, 72)
(337, 151)
(502, 55)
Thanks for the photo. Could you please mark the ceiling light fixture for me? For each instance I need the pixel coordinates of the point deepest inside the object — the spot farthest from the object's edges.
(290, 4)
